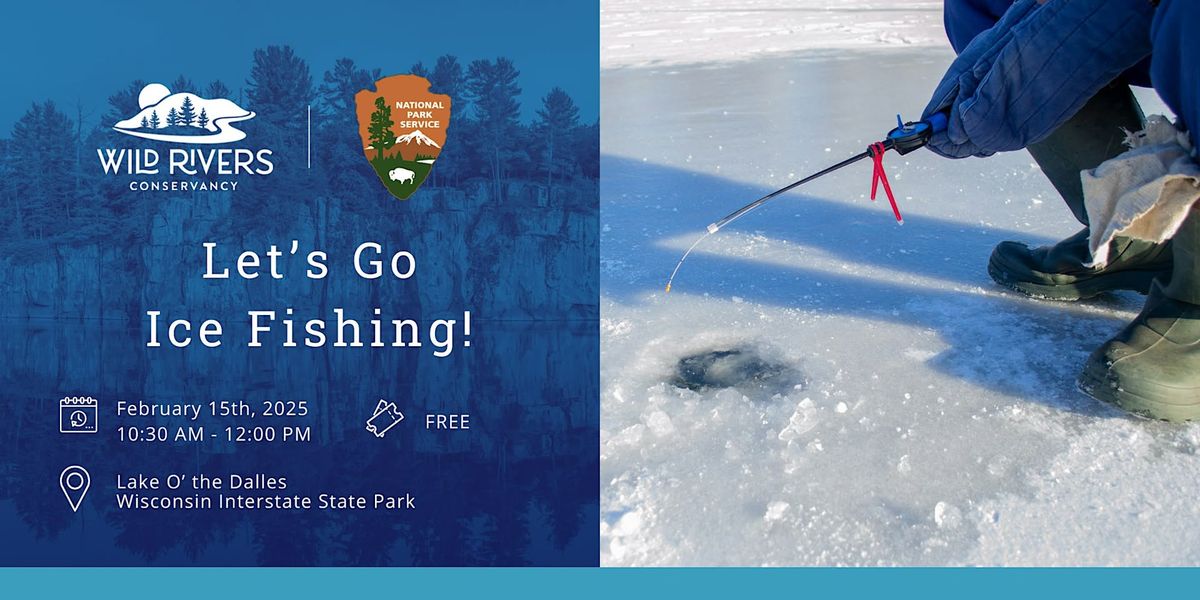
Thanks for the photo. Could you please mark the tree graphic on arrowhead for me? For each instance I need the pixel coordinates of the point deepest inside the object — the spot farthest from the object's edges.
(380, 129)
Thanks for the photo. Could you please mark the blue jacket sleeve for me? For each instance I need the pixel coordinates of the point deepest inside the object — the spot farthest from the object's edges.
(1017, 82)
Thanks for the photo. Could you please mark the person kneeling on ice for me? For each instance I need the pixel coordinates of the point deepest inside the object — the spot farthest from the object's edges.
(1053, 76)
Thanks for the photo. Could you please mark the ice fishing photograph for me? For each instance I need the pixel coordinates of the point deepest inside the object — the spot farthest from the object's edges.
(899, 283)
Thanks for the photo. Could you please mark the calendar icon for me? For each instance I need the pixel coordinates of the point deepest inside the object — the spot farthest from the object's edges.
(77, 415)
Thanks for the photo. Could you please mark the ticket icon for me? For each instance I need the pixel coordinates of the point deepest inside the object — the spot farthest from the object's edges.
(385, 417)
(77, 414)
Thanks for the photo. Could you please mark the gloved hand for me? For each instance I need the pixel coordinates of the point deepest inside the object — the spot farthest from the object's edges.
(1017, 82)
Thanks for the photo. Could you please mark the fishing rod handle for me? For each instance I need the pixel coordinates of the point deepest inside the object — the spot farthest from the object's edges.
(910, 136)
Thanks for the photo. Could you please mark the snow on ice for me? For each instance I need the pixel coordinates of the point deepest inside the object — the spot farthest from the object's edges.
(672, 33)
(914, 412)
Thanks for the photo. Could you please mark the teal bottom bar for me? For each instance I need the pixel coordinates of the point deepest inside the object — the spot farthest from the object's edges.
(1008, 583)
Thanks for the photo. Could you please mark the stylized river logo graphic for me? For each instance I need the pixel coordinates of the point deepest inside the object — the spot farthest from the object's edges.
(403, 128)
(184, 118)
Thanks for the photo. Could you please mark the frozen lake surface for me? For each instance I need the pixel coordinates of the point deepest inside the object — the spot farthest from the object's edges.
(637, 33)
(874, 397)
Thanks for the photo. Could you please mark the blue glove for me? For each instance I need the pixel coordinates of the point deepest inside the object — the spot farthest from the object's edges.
(1015, 83)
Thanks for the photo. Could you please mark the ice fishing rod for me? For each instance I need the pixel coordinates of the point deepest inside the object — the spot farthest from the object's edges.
(906, 137)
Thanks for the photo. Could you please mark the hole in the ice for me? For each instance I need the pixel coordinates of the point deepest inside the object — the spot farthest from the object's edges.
(741, 368)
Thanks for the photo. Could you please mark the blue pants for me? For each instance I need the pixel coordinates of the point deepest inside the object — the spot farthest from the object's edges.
(1175, 64)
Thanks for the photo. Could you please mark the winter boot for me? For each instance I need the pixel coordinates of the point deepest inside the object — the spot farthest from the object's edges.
(1152, 367)
(1057, 272)
(1094, 135)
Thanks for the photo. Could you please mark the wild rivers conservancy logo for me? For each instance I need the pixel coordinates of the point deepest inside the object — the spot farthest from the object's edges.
(190, 123)
(403, 127)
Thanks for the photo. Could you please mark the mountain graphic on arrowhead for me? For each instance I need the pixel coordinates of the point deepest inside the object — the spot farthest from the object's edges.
(156, 103)
(417, 138)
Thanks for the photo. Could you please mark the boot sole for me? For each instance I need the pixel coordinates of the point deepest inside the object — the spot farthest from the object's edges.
(1081, 289)
(1178, 406)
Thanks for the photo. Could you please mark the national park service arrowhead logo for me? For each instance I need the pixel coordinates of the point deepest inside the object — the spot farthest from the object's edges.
(403, 127)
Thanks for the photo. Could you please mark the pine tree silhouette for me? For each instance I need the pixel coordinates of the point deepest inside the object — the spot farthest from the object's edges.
(279, 82)
(216, 89)
(124, 102)
(379, 132)
(154, 122)
(145, 124)
(187, 113)
(493, 89)
(556, 121)
(202, 120)
(172, 117)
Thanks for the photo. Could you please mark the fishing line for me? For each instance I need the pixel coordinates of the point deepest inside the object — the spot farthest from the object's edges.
(905, 138)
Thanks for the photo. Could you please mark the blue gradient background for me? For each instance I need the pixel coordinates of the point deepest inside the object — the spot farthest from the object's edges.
(520, 489)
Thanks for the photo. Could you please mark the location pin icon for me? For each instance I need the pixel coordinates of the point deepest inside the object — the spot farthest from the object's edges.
(75, 482)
